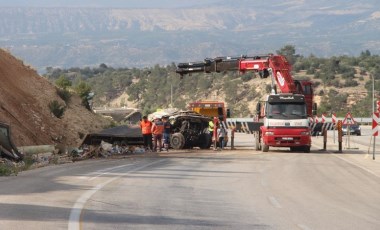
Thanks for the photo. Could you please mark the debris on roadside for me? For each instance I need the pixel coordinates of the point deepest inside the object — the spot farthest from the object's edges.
(105, 150)
(117, 141)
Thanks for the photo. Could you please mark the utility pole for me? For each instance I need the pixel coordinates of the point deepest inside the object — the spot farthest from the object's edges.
(171, 95)
(373, 111)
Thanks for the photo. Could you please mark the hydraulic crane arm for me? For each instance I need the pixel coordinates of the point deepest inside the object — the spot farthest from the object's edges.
(265, 65)
(275, 66)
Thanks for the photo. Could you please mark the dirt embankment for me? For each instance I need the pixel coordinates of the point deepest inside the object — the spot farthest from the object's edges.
(24, 99)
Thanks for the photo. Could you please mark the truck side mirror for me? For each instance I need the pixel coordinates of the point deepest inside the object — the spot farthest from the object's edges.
(314, 110)
(258, 108)
(228, 113)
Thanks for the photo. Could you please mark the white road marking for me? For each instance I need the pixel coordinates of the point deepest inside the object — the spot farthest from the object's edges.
(89, 176)
(303, 227)
(350, 162)
(76, 210)
(274, 202)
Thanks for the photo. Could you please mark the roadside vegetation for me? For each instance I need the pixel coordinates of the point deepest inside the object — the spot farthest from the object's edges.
(341, 83)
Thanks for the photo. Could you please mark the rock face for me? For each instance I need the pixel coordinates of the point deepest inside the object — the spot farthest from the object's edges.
(24, 99)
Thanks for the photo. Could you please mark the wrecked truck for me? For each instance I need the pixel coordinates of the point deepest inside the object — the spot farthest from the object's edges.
(189, 129)
(7, 148)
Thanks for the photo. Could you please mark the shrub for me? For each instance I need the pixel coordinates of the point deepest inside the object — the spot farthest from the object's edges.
(336, 83)
(311, 70)
(350, 83)
(57, 109)
(316, 84)
(63, 82)
(246, 77)
(6, 170)
(268, 88)
(64, 95)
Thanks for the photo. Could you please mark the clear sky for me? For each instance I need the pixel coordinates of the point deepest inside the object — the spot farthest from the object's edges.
(104, 3)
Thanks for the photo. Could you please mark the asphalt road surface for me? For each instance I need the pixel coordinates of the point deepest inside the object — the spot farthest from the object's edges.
(197, 189)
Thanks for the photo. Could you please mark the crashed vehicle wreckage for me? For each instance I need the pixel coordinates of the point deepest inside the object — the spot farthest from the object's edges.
(7, 148)
(189, 129)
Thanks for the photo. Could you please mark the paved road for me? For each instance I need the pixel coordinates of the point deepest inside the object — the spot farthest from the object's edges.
(239, 189)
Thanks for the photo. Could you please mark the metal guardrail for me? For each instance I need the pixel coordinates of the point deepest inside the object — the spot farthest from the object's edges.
(328, 119)
(247, 125)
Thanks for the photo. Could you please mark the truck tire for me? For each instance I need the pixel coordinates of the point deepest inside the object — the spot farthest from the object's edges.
(177, 141)
(204, 141)
(265, 147)
(306, 149)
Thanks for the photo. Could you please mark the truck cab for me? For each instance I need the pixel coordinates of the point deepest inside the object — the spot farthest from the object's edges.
(285, 123)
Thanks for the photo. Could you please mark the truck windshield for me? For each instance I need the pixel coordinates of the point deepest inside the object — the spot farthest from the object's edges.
(286, 110)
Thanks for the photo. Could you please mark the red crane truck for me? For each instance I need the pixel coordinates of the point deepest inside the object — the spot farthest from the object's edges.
(282, 117)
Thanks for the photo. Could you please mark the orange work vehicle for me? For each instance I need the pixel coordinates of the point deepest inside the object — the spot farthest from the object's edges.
(211, 109)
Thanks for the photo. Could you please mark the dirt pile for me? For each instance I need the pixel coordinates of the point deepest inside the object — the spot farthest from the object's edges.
(24, 99)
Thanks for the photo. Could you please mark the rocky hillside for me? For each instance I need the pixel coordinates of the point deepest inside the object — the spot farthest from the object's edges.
(24, 99)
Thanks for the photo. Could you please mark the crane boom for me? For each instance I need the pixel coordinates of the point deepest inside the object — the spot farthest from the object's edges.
(275, 66)
(262, 64)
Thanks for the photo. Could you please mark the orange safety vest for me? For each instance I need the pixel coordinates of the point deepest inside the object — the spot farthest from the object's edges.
(146, 127)
(158, 128)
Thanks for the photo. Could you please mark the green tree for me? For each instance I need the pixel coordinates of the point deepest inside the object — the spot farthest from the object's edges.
(289, 51)
(363, 108)
(82, 89)
(63, 82)
(334, 102)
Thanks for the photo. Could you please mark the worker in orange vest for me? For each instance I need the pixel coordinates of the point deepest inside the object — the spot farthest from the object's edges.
(146, 129)
(157, 130)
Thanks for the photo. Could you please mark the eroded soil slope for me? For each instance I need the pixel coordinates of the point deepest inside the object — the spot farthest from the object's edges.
(24, 99)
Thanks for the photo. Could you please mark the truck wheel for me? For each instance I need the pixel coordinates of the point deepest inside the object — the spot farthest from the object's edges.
(306, 149)
(177, 141)
(265, 148)
(204, 141)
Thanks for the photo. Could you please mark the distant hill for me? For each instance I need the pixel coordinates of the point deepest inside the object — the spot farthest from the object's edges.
(140, 37)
